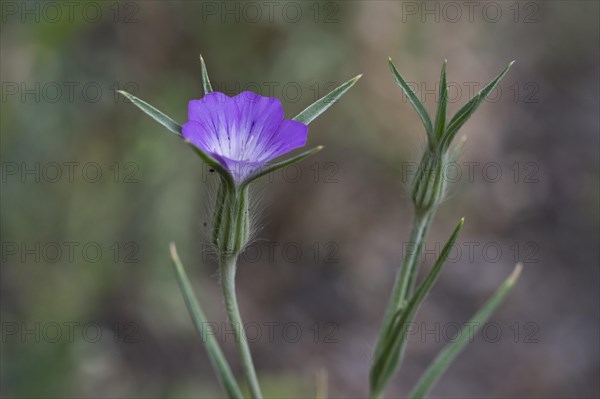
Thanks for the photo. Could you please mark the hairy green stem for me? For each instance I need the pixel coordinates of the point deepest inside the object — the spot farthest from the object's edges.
(228, 269)
(407, 274)
(405, 279)
(420, 240)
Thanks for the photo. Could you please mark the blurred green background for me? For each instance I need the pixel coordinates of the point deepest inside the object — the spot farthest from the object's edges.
(93, 191)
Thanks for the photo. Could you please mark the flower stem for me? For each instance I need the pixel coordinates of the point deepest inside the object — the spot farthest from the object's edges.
(405, 279)
(228, 269)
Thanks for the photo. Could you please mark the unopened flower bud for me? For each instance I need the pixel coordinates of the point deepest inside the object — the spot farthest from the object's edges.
(429, 185)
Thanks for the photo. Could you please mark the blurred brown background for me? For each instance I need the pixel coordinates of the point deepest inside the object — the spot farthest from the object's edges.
(93, 191)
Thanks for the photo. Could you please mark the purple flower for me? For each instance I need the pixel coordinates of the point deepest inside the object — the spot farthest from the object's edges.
(242, 133)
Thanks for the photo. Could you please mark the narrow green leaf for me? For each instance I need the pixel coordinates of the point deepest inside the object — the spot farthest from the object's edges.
(390, 357)
(205, 81)
(414, 100)
(278, 165)
(321, 105)
(154, 113)
(215, 354)
(469, 108)
(449, 353)
(440, 117)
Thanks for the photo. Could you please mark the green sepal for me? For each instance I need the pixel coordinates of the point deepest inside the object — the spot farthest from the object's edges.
(440, 117)
(220, 210)
(242, 221)
(205, 80)
(213, 163)
(174, 127)
(429, 184)
(449, 353)
(470, 107)
(321, 105)
(278, 165)
(231, 225)
(154, 113)
(226, 231)
(414, 100)
(389, 358)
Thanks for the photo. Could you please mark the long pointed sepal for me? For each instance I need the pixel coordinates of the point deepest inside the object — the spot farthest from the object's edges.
(414, 100)
(321, 105)
(470, 107)
(205, 80)
(154, 113)
(278, 165)
(174, 127)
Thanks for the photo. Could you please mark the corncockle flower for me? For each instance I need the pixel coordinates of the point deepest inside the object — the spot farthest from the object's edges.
(243, 132)
(238, 137)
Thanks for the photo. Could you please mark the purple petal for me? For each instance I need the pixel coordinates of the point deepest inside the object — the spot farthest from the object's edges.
(214, 118)
(242, 133)
(260, 118)
(288, 137)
